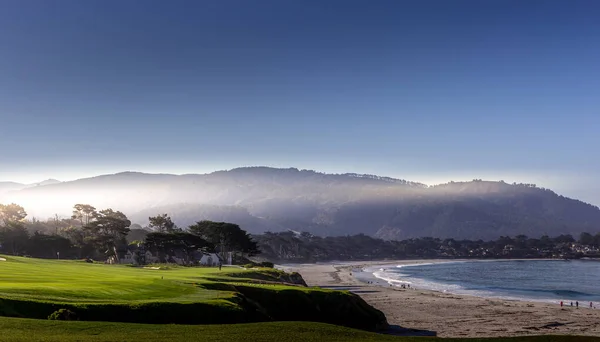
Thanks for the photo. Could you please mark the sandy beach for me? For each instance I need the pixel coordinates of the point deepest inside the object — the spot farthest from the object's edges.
(449, 315)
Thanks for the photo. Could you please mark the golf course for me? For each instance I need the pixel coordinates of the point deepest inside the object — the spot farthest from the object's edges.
(17, 329)
(39, 288)
(65, 300)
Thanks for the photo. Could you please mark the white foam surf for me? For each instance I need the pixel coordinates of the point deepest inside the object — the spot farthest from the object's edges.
(390, 275)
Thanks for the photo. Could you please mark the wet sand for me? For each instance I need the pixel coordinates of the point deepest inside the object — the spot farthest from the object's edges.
(450, 315)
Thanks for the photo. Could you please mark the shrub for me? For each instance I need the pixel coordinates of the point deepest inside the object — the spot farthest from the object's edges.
(63, 315)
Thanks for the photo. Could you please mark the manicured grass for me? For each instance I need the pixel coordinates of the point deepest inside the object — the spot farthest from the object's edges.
(35, 288)
(38, 330)
(67, 281)
(80, 282)
(16, 329)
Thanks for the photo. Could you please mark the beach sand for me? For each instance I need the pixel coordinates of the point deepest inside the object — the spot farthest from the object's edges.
(450, 315)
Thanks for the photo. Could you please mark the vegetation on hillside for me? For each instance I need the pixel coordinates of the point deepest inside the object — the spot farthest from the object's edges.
(102, 234)
(265, 199)
(107, 233)
(305, 247)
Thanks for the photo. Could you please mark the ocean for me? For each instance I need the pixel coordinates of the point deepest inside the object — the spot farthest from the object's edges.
(534, 280)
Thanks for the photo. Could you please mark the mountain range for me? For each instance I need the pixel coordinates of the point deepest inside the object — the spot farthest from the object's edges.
(13, 186)
(268, 199)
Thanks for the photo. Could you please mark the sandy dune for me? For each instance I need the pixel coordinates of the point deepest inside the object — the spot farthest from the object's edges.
(456, 315)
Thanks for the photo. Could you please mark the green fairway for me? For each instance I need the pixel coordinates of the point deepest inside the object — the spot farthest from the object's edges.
(35, 288)
(81, 282)
(15, 329)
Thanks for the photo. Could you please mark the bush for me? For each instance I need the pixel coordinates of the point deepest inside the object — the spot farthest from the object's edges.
(63, 315)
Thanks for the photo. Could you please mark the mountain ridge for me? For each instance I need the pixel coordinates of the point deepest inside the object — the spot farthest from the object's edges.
(234, 170)
(8, 186)
(274, 199)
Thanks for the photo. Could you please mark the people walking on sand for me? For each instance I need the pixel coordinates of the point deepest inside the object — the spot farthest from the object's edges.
(561, 303)
(571, 303)
(577, 304)
(591, 305)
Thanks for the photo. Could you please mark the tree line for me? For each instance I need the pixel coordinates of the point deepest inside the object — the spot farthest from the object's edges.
(305, 247)
(107, 233)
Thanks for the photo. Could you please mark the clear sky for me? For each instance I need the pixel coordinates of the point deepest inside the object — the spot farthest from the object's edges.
(423, 90)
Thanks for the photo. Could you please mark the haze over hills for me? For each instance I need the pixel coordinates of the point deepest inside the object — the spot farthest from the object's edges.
(13, 186)
(268, 199)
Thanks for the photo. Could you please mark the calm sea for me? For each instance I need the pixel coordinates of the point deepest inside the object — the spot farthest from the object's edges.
(543, 280)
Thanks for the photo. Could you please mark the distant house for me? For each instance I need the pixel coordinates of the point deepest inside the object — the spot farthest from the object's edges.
(211, 259)
(132, 257)
(127, 258)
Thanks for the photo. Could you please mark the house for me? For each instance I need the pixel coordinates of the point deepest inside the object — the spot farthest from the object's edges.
(210, 259)
(137, 256)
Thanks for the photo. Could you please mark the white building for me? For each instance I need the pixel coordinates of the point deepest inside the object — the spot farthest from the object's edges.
(129, 258)
(211, 259)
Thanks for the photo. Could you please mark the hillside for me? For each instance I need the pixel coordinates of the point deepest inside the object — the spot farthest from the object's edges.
(10, 186)
(7, 187)
(267, 199)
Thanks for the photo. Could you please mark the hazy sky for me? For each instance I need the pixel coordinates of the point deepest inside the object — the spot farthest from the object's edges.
(424, 90)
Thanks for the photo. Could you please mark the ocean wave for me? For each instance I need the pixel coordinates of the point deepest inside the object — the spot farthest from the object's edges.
(561, 293)
(566, 288)
(397, 279)
(374, 268)
(390, 278)
(433, 263)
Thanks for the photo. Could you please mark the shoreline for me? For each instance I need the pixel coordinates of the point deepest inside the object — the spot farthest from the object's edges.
(448, 314)
(367, 273)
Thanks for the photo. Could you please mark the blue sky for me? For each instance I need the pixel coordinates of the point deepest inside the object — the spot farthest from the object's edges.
(423, 90)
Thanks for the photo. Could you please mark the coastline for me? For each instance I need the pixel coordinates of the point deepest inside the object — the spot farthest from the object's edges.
(451, 315)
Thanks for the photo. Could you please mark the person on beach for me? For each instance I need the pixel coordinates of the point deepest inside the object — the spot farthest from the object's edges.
(577, 304)
(571, 303)
(591, 306)
(561, 303)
